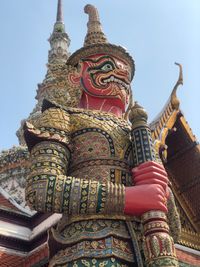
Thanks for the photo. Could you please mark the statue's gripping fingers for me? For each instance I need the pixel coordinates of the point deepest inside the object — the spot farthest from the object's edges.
(142, 198)
(150, 190)
(151, 172)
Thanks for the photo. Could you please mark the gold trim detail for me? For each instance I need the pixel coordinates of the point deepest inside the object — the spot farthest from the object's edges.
(166, 119)
(188, 129)
(190, 239)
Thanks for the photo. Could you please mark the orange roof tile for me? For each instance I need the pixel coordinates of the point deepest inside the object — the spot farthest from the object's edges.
(187, 257)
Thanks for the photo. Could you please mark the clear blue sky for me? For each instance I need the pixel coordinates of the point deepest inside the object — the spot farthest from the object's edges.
(156, 33)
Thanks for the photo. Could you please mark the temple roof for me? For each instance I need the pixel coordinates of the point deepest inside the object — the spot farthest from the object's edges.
(180, 152)
(13, 258)
(23, 233)
(8, 203)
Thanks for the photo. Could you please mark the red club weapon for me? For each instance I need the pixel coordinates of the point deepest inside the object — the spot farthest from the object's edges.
(158, 245)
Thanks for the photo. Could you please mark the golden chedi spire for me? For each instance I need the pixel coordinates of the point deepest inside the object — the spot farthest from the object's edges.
(59, 39)
(59, 17)
(57, 58)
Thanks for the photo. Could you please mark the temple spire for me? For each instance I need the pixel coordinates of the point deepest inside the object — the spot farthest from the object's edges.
(60, 12)
(59, 39)
(58, 56)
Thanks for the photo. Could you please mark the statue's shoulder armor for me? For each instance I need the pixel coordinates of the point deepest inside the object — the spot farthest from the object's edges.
(52, 124)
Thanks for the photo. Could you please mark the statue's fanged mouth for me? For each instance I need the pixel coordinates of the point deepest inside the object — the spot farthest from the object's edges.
(121, 83)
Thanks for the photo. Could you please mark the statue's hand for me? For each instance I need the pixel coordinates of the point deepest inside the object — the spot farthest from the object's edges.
(151, 173)
(142, 198)
(150, 191)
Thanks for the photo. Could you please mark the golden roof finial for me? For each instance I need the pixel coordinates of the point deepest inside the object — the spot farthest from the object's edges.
(180, 78)
(174, 100)
(95, 33)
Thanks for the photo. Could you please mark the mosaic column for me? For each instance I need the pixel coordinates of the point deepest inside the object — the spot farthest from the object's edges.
(158, 245)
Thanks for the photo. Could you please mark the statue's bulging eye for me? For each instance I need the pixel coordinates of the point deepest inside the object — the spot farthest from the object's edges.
(107, 67)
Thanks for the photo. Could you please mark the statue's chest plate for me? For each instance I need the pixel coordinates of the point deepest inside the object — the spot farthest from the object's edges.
(96, 136)
(101, 144)
(92, 143)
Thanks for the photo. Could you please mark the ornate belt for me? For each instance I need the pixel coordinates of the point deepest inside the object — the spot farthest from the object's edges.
(98, 162)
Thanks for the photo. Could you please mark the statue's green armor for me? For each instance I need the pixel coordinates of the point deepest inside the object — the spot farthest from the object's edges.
(95, 148)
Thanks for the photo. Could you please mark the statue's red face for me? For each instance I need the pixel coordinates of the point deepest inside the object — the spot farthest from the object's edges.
(107, 77)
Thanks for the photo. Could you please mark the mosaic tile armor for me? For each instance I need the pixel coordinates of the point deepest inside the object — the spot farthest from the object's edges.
(85, 158)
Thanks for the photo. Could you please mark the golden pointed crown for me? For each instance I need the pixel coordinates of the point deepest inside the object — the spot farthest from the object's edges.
(97, 43)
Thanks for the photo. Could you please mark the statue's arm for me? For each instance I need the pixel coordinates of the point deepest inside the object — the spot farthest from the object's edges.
(49, 189)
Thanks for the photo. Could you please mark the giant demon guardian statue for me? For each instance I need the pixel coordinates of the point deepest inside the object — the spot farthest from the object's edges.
(90, 164)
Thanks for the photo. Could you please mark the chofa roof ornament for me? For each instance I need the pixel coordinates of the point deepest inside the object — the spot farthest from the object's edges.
(97, 43)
